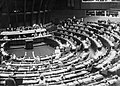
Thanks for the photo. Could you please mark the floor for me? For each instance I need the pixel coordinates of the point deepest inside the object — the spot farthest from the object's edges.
(39, 51)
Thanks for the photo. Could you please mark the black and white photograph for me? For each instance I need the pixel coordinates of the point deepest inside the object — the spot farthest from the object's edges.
(59, 42)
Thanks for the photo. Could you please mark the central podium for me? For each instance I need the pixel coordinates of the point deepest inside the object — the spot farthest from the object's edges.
(29, 44)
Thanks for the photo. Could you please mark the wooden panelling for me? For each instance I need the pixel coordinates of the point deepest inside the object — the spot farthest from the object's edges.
(63, 14)
(3, 22)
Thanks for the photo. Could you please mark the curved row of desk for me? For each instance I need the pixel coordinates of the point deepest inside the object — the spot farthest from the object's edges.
(82, 73)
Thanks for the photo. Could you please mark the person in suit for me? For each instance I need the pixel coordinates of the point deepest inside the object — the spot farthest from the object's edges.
(117, 83)
(42, 81)
(57, 52)
(71, 68)
(10, 81)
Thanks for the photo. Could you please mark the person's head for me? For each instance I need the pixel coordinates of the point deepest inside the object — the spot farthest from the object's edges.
(86, 49)
(9, 67)
(3, 63)
(57, 47)
(73, 66)
(41, 78)
(92, 78)
(99, 49)
(34, 67)
(50, 62)
(105, 81)
(37, 57)
(116, 76)
(74, 17)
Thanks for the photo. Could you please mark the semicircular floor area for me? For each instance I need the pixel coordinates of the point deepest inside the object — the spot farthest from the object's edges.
(38, 50)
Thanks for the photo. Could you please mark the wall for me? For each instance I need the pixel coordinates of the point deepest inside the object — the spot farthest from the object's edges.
(67, 8)
(16, 13)
(62, 10)
(100, 5)
(4, 21)
(63, 14)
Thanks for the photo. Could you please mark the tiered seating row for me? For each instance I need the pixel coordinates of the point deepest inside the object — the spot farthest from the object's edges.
(81, 73)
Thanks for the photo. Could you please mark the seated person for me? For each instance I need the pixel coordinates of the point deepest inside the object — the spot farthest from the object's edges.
(47, 33)
(99, 42)
(41, 26)
(16, 68)
(25, 55)
(71, 34)
(62, 78)
(49, 66)
(34, 68)
(105, 72)
(42, 81)
(35, 34)
(24, 36)
(88, 41)
(51, 60)
(84, 55)
(13, 57)
(37, 59)
(8, 29)
(94, 36)
(34, 25)
(57, 53)
(98, 53)
(3, 64)
(66, 44)
(9, 66)
(71, 68)
(91, 67)
(5, 37)
(117, 81)
(44, 33)
(32, 35)
(40, 34)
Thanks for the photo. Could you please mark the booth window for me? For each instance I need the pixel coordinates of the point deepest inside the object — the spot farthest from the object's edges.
(100, 0)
